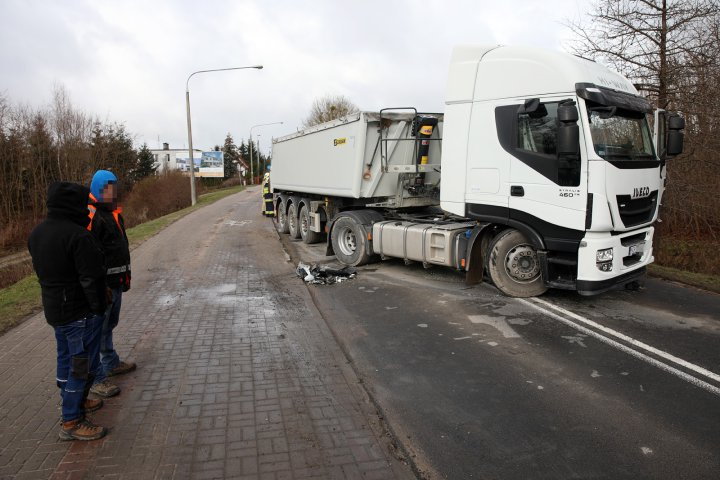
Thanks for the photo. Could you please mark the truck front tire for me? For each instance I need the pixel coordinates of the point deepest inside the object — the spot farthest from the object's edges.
(292, 221)
(513, 265)
(349, 241)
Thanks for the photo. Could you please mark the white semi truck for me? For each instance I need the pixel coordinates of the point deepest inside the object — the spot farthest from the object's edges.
(542, 172)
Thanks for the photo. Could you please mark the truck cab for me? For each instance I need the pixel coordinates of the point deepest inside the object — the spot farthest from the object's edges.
(559, 149)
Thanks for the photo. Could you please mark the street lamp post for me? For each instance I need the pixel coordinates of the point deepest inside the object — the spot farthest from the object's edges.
(257, 147)
(193, 197)
(252, 178)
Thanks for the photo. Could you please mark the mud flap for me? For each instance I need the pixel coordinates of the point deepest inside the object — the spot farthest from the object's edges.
(476, 265)
(475, 255)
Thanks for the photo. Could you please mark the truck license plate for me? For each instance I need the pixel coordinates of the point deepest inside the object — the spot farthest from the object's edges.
(637, 248)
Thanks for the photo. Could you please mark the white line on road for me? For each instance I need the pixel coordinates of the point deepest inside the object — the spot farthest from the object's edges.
(632, 341)
(609, 341)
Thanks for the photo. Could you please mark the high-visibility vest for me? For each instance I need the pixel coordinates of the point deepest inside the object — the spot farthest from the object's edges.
(92, 209)
(266, 184)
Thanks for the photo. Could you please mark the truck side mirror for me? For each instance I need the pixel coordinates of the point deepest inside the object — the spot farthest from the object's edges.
(533, 108)
(676, 122)
(675, 136)
(568, 135)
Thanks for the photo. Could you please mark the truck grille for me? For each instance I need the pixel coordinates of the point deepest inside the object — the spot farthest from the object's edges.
(637, 211)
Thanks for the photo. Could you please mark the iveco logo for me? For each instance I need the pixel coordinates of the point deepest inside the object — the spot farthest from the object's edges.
(640, 192)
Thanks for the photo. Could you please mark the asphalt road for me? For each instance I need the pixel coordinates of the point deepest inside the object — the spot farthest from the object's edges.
(478, 385)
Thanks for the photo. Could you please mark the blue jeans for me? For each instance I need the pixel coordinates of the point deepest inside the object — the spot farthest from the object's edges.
(109, 358)
(78, 344)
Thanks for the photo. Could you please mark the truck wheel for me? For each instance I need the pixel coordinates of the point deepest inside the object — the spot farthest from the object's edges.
(308, 236)
(349, 241)
(514, 267)
(281, 218)
(292, 221)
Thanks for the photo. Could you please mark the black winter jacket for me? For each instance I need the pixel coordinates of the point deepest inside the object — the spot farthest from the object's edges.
(67, 259)
(114, 243)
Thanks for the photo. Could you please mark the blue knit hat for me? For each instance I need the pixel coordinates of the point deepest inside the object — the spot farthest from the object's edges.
(99, 180)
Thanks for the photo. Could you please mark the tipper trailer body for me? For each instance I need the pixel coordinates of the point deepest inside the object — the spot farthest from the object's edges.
(542, 172)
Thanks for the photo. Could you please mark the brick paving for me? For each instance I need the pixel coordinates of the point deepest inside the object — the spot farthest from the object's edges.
(239, 377)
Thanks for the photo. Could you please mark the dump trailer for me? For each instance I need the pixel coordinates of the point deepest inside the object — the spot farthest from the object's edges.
(546, 170)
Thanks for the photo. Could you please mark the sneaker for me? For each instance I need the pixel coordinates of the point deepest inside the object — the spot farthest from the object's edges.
(92, 405)
(123, 367)
(81, 429)
(105, 389)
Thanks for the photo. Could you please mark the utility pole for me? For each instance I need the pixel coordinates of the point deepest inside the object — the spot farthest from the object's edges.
(252, 178)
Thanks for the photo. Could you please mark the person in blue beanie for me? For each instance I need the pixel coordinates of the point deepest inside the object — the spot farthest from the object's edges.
(108, 227)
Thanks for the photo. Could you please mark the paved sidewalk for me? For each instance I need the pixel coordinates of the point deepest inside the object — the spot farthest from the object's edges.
(238, 375)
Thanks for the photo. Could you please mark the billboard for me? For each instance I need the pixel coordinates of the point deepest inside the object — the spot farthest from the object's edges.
(211, 164)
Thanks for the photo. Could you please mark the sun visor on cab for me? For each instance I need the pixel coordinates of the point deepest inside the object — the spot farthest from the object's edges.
(612, 98)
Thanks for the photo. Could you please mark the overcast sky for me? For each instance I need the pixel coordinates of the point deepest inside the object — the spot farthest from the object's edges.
(127, 61)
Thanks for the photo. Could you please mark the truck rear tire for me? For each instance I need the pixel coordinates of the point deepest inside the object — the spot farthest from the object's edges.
(307, 235)
(513, 265)
(281, 217)
(292, 221)
(349, 241)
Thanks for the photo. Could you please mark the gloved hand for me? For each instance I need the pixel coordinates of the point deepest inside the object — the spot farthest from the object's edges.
(108, 295)
(126, 282)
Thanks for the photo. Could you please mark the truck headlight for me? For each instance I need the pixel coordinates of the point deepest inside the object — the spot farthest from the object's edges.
(604, 255)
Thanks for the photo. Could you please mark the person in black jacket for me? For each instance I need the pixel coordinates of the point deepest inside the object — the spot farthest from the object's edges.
(70, 267)
(108, 228)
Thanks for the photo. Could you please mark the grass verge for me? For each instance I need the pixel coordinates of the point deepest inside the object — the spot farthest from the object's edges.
(18, 301)
(22, 299)
(700, 280)
(142, 232)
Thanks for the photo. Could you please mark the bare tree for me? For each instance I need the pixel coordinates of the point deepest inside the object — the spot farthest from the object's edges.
(650, 41)
(42, 145)
(329, 107)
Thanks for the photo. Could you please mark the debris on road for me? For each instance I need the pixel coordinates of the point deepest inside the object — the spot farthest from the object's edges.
(324, 274)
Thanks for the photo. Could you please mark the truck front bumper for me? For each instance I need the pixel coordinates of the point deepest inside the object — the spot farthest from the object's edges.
(632, 253)
(587, 288)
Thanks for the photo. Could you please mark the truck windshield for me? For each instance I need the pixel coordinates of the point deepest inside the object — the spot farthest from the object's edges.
(621, 136)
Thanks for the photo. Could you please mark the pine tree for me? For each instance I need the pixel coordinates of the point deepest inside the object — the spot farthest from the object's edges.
(145, 165)
(232, 156)
(244, 156)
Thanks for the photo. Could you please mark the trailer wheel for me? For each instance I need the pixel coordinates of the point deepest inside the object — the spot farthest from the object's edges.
(514, 267)
(281, 218)
(292, 221)
(349, 241)
(307, 235)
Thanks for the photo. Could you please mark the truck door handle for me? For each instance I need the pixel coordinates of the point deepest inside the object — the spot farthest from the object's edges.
(517, 191)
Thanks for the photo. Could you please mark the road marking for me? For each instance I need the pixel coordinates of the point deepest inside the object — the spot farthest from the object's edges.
(632, 341)
(236, 223)
(578, 339)
(498, 323)
(461, 338)
(609, 341)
